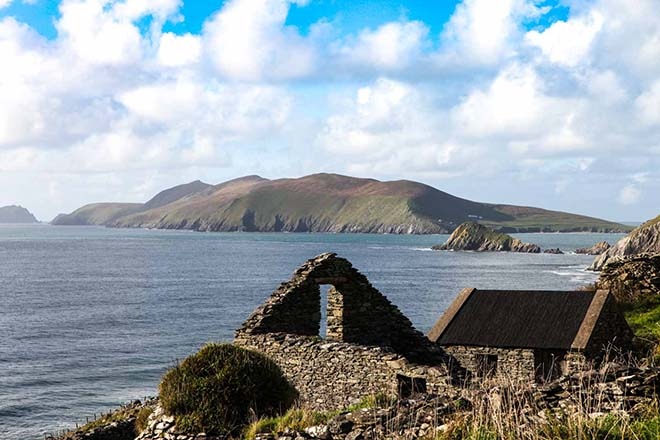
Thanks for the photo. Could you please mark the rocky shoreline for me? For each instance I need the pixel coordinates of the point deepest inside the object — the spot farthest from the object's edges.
(612, 388)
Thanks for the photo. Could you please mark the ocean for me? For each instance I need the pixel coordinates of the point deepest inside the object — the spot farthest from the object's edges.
(91, 317)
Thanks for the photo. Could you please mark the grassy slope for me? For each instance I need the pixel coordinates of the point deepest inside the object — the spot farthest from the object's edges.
(334, 203)
(97, 214)
(528, 219)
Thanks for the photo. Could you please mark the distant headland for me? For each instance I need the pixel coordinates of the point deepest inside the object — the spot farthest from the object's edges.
(325, 203)
(16, 214)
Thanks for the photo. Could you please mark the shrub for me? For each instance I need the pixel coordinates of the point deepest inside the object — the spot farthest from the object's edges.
(222, 387)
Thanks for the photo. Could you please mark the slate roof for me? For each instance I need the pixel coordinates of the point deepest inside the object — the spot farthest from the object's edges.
(519, 319)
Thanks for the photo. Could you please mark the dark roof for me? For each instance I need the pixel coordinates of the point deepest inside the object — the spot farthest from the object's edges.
(515, 319)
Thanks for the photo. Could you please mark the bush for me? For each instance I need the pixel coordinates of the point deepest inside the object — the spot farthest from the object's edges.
(222, 387)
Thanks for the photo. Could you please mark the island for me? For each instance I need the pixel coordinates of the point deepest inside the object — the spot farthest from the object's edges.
(324, 203)
(16, 214)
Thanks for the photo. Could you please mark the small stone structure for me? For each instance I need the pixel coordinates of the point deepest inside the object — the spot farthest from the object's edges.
(528, 335)
(370, 346)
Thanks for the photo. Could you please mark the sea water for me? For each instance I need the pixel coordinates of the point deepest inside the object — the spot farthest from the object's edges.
(91, 317)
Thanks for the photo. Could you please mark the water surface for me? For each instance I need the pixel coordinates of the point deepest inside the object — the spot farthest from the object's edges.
(92, 317)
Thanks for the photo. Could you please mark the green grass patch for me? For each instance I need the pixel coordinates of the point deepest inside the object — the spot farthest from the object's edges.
(644, 320)
(298, 419)
(221, 387)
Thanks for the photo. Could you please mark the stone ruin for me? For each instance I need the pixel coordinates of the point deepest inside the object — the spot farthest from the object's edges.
(370, 346)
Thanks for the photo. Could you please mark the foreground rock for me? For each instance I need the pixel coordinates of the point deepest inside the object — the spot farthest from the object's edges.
(642, 240)
(597, 249)
(632, 279)
(472, 236)
(125, 423)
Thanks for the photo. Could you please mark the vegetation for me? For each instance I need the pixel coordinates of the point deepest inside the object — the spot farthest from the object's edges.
(218, 389)
(298, 419)
(324, 203)
(579, 427)
(142, 418)
(644, 319)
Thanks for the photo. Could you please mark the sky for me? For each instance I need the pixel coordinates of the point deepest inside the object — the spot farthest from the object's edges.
(552, 103)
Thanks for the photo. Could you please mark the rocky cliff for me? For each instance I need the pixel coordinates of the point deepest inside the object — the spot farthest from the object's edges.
(643, 239)
(16, 214)
(471, 236)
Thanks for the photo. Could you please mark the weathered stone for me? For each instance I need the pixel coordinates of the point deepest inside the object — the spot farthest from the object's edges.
(596, 249)
(472, 236)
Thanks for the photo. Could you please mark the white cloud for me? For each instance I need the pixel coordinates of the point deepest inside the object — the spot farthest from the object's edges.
(96, 35)
(247, 40)
(648, 105)
(516, 109)
(567, 42)
(629, 195)
(484, 31)
(391, 125)
(179, 50)
(392, 46)
(5, 3)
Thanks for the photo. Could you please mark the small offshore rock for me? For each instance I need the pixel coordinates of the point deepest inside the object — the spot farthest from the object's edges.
(472, 236)
(596, 249)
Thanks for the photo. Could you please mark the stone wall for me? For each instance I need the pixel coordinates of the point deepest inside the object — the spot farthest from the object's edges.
(517, 364)
(332, 375)
(611, 335)
(357, 312)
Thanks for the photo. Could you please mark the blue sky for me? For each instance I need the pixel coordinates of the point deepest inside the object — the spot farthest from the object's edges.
(350, 16)
(547, 103)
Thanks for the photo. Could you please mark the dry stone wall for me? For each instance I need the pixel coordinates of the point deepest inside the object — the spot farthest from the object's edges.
(370, 346)
(332, 375)
(515, 364)
(357, 312)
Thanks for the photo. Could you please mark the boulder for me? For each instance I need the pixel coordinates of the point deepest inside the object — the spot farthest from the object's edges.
(555, 251)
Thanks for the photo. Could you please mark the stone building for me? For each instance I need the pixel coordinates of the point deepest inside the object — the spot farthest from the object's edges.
(369, 346)
(528, 335)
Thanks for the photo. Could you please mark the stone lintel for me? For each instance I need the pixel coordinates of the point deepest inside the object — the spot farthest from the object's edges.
(590, 319)
(442, 323)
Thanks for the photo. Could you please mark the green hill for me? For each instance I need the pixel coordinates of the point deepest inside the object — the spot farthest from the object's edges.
(325, 203)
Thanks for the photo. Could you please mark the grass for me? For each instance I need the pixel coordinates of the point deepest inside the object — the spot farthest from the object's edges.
(142, 419)
(141, 414)
(220, 387)
(298, 419)
(644, 319)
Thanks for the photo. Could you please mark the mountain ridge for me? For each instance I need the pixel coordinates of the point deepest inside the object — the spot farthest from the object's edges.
(325, 203)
